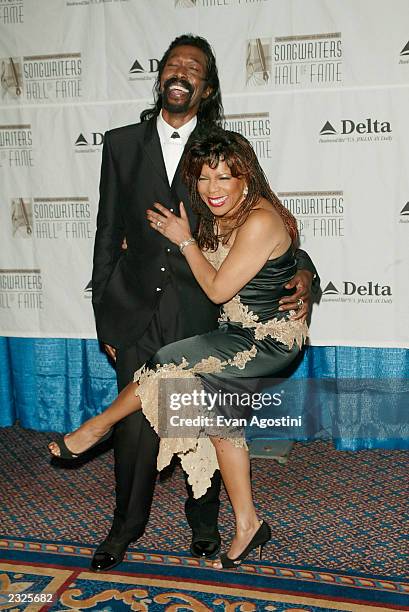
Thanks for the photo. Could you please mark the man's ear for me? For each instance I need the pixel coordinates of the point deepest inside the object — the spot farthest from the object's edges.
(207, 92)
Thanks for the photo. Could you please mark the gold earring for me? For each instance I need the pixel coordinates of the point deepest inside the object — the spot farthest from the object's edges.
(245, 191)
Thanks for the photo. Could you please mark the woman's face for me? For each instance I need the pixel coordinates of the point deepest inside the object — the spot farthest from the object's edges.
(219, 190)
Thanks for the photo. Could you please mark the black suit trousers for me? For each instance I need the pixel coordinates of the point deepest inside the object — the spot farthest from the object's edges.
(136, 443)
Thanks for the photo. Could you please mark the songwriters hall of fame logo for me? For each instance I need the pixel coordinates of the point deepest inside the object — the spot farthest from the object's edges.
(21, 289)
(144, 71)
(11, 77)
(369, 292)
(16, 146)
(41, 78)
(256, 127)
(404, 54)
(319, 214)
(355, 131)
(307, 60)
(11, 12)
(22, 217)
(258, 62)
(52, 218)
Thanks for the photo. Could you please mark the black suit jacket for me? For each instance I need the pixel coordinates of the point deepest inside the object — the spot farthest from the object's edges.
(126, 285)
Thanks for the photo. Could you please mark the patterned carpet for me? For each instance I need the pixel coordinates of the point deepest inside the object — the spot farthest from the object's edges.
(337, 518)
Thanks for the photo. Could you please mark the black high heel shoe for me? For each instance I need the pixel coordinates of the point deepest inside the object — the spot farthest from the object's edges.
(65, 452)
(261, 537)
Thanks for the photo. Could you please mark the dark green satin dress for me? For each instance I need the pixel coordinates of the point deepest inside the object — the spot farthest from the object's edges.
(254, 340)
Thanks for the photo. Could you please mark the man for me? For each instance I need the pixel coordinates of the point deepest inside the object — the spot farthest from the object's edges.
(145, 296)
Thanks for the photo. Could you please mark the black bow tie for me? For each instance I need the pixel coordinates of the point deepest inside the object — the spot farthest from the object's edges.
(175, 135)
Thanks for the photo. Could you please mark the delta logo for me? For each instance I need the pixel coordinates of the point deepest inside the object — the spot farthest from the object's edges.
(88, 290)
(148, 71)
(404, 214)
(89, 142)
(351, 130)
(348, 126)
(350, 291)
(405, 209)
(405, 50)
(95, 139)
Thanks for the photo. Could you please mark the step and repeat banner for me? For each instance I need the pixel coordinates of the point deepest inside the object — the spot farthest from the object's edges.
(320, 88)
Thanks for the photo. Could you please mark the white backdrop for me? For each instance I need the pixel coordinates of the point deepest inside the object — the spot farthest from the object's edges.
(319, 87)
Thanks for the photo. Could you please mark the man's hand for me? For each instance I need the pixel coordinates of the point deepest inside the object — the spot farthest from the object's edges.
(300, 300)
(110, 351)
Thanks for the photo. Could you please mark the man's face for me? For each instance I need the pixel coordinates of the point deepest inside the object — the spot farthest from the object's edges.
(183, 80)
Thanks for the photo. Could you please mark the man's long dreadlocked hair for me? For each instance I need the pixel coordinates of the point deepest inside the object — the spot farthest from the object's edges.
(209, 147)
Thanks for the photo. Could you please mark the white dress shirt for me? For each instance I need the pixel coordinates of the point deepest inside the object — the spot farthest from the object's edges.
(172, 148)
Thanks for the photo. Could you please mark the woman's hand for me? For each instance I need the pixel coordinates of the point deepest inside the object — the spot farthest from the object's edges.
(176, 229)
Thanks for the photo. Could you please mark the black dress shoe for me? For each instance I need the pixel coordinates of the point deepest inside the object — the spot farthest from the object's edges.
(205, 548)
(102, 561)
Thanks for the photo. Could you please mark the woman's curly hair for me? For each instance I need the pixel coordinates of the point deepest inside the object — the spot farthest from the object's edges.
(209, 146)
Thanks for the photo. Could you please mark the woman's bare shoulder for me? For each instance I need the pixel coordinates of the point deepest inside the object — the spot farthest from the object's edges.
(264, 212)
(260, 222)
(264, 225)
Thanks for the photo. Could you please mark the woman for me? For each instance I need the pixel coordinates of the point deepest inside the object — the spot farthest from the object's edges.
(242, 256)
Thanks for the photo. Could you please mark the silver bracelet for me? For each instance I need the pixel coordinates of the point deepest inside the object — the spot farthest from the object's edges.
(185, 243)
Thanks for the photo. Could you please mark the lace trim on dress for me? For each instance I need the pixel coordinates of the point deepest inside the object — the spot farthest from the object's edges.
(216, 258)
(197, 455)
(285, 331)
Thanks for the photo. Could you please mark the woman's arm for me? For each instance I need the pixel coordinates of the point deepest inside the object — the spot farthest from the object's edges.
(261, 235)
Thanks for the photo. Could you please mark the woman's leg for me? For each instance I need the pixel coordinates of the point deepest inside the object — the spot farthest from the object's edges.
(92, 430)
(234, 466)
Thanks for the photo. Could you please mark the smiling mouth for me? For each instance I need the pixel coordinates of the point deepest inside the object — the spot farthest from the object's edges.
(216, 202)
(177, 91)
(178, 88)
